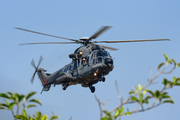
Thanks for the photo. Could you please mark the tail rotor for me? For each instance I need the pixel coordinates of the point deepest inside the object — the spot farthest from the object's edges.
(36, 68)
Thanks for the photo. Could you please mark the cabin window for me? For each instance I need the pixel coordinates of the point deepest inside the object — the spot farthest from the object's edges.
(69, 68)
(75, 65)
(65, 69)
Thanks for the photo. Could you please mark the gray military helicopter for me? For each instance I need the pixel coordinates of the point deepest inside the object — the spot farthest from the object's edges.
(90, 62)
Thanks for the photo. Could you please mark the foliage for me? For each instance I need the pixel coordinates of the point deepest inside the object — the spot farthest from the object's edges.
(38, 116)
(141, 95)
(24, 102)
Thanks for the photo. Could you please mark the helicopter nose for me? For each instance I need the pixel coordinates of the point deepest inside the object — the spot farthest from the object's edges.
(108, 61)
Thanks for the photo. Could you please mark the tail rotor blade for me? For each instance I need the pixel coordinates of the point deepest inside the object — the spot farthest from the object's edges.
(40, 60)
(32, 79)
(33, 64)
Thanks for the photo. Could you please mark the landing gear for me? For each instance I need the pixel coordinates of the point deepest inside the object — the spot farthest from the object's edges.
(65, 85)
(103, 79)
(92, 88)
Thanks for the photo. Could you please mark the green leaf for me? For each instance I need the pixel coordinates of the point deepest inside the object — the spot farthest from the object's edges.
(133, 98)
(128, 113)
(21, 117)
(169, 61)
(175, 80)
(137, 89)
(24, 112)
(7, 102)
(121, 110)
(38, 115)
(44, 117)
(132, 92)
(148, 97)
(141, 98)
(2, 107)
(4, 96)
(178, 65)
(160, 65)
(20, 97)
(36, 101)
(163, 97)
(107, 113)
(30, 94)
(165, 82)
(11, 106)
(157, 93)
(12, 96)
(168, 101)
(146, 101)
(140, 87)
(178, 84)
(149, 91)
(54, 117)
(173, 62)
(117, 113)
(106, 118)
(31, 105)
(144, 92)
(166, 57)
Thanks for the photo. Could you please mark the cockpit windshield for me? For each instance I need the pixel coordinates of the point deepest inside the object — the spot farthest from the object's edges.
(105, 53)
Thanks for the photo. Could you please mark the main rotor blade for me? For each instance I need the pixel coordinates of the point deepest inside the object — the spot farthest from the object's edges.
(99, 32)
(111, 48)
(45, 34)
(48, 43)
(122, 41)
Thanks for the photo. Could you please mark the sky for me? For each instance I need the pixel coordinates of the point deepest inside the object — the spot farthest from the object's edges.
(129, 19)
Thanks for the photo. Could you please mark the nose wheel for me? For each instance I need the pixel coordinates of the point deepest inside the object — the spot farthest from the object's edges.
(92, 88)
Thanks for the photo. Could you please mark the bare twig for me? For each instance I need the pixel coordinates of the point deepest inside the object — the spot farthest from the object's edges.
(99, 103)
(121, 100)
(70, 118)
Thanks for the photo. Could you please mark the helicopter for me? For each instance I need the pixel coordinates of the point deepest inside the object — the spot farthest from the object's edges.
(90, 62)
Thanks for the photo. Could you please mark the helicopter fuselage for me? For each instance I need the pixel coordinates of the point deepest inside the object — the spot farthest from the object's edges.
(89, 66)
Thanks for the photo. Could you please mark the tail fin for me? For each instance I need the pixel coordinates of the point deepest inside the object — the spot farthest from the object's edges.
(42, 76)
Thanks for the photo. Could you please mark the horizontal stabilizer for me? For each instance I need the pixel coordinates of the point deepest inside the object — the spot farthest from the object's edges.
(46, 88)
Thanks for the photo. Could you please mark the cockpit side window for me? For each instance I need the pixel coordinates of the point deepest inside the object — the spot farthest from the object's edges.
(99, 60)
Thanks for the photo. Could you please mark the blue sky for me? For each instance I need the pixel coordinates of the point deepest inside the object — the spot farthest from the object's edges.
(75, 19)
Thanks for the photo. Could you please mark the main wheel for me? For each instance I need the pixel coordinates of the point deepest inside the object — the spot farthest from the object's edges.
(103, 79)
(92, 88)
